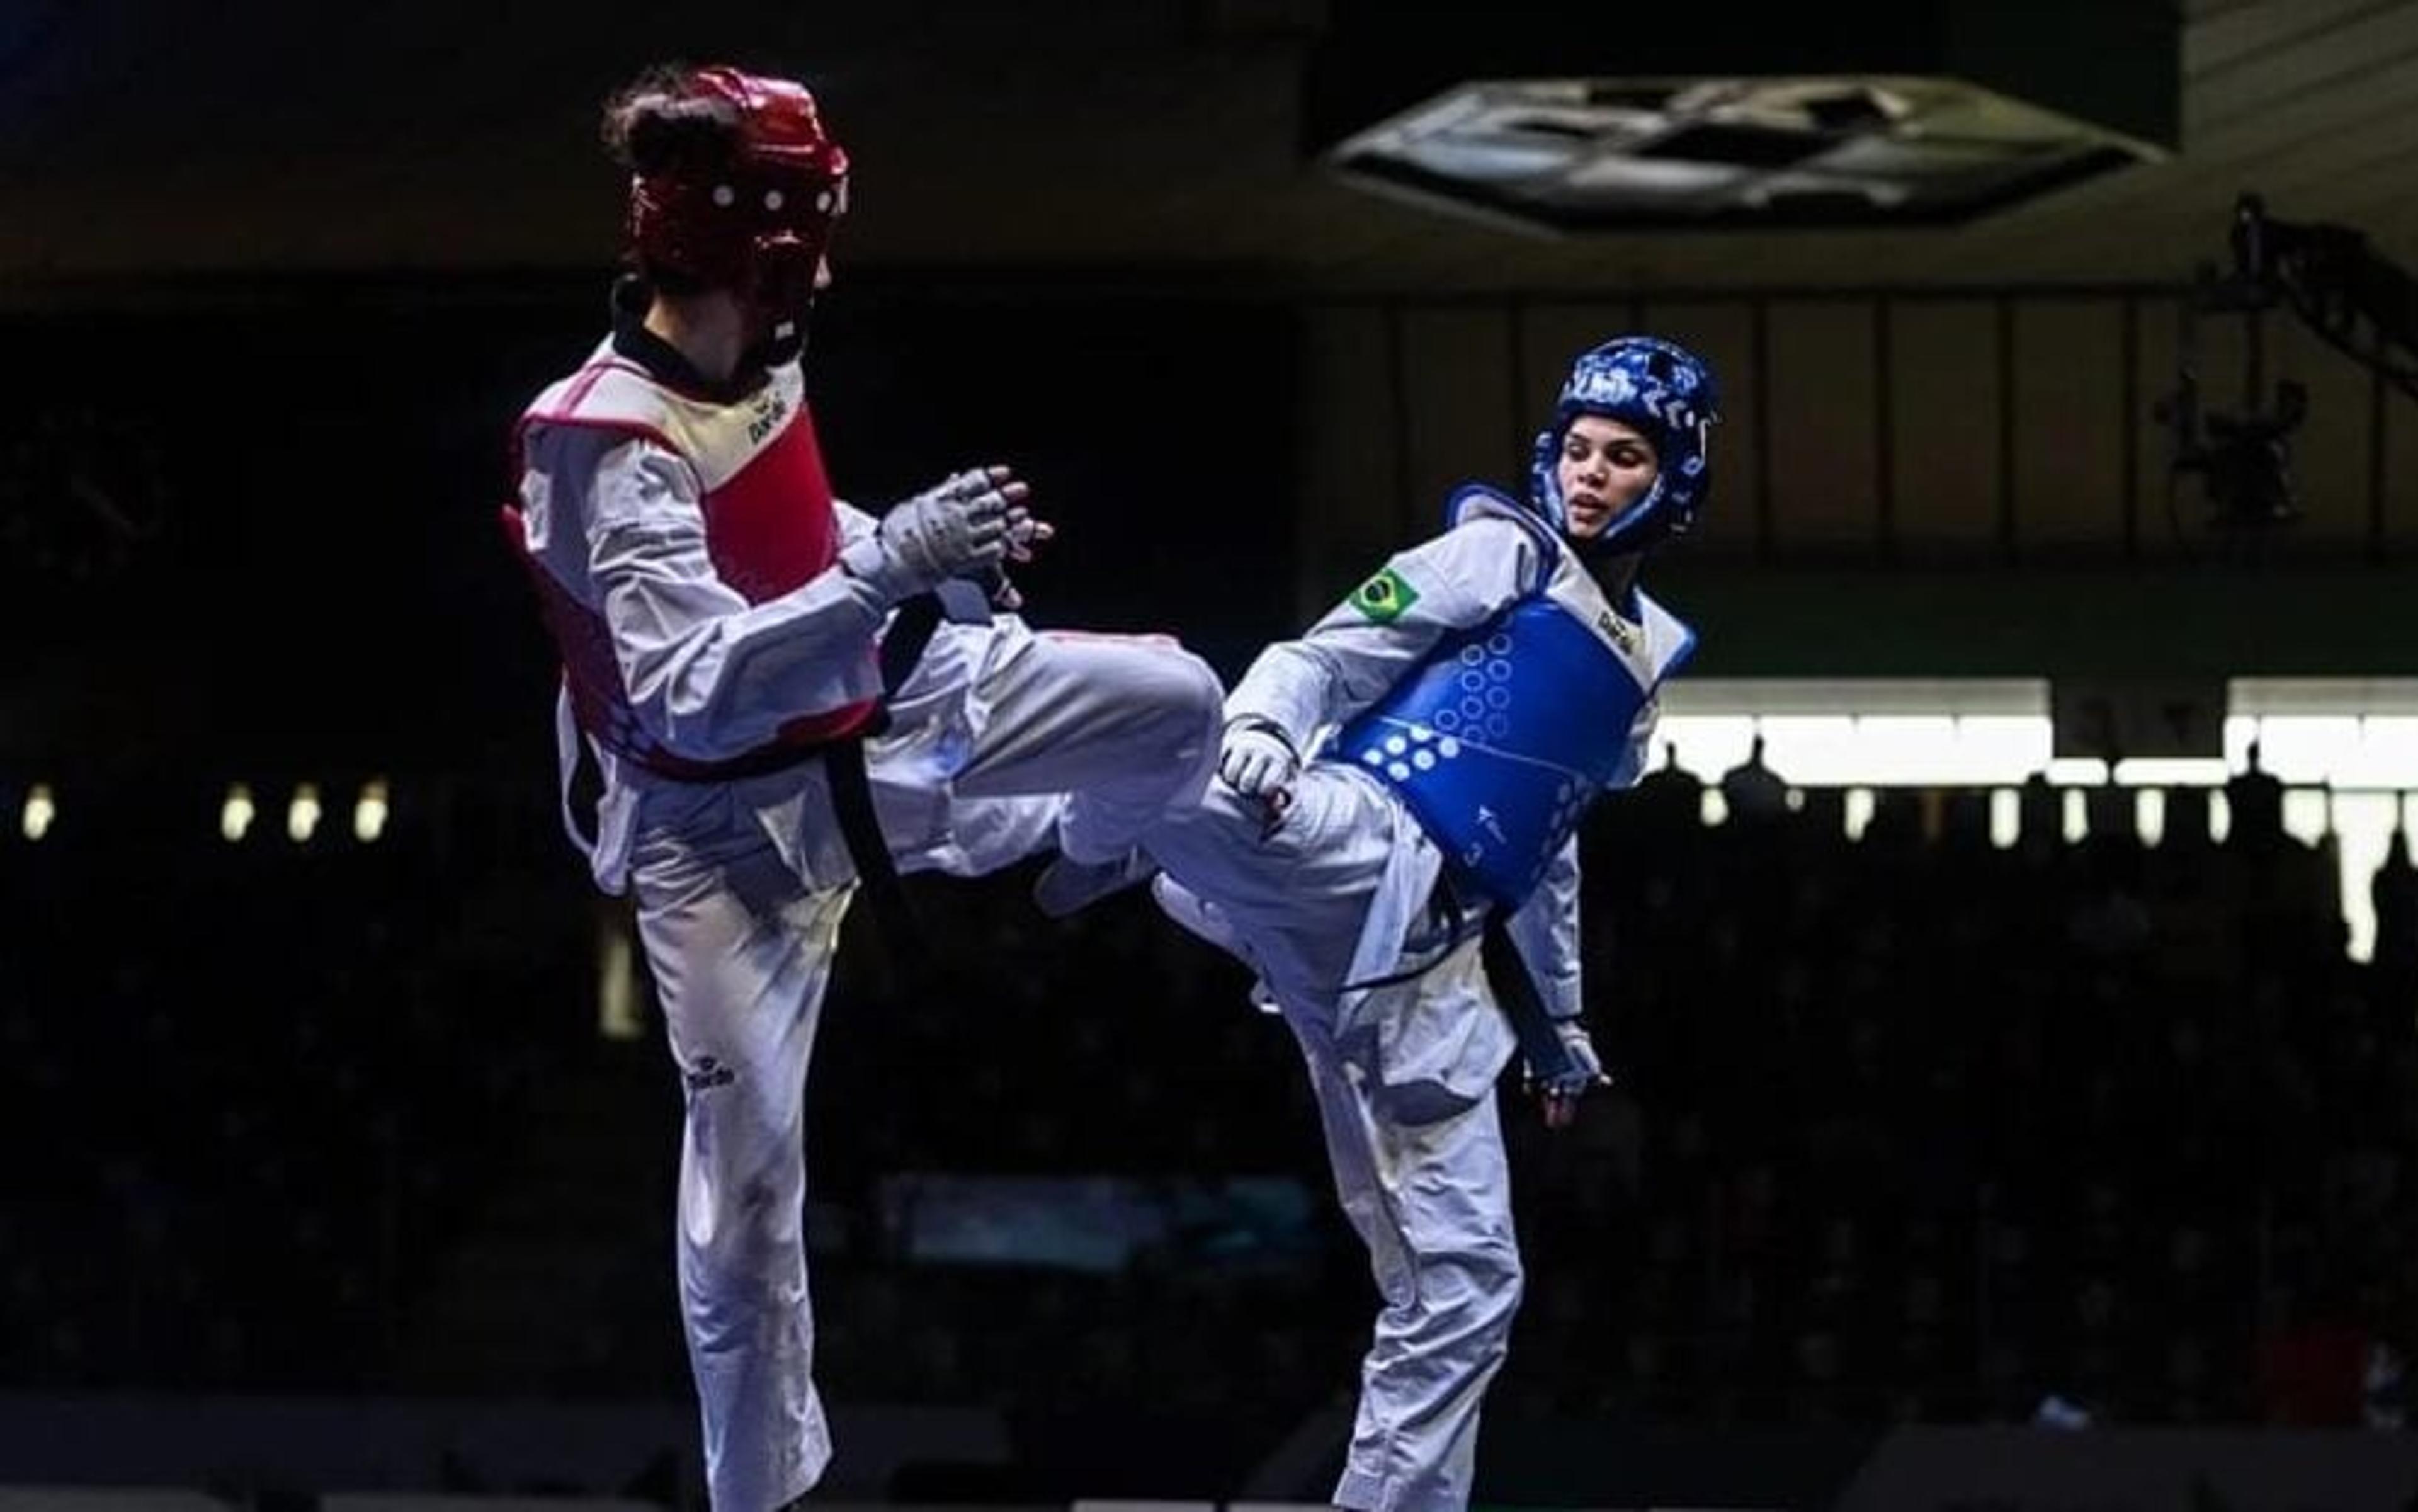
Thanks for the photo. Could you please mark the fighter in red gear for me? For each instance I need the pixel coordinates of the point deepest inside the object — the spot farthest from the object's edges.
(745, 659)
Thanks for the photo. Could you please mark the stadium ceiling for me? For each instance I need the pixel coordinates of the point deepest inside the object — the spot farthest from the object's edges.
(1150, 138)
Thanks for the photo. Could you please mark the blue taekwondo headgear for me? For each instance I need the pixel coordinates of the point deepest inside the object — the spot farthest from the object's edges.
(1668, 394)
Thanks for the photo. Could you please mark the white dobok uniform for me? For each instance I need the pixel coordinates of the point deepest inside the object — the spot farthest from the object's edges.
(686, 548)
(1376, 969)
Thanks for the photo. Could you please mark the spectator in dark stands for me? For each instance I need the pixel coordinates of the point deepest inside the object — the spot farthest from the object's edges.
(1755, 794)
(2255, 802)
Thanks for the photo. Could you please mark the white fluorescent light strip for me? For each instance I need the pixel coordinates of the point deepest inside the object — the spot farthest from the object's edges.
(2347, 751)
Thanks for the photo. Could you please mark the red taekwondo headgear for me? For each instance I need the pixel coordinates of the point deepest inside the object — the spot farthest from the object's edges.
(758, 220)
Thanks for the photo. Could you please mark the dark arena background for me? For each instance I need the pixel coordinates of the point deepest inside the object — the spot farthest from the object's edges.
(2009, 967)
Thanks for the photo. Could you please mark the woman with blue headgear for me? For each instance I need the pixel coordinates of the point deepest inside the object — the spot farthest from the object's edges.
(1390, 846)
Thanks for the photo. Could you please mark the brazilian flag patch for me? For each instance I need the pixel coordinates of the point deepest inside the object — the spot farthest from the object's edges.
(1382, 598)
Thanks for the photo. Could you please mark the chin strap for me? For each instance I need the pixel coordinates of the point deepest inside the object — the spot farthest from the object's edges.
(1596, 551)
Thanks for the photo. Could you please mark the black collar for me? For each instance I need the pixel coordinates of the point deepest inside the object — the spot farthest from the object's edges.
(664, 362)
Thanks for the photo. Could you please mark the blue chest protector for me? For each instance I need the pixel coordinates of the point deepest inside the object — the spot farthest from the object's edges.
(1500, 739)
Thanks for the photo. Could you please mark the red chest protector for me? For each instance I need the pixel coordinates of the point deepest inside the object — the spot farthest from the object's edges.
(769, 527)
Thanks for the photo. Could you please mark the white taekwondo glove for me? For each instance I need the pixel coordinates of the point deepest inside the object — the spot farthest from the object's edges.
(1561, 1093)
(957, 529)
(1255, 760)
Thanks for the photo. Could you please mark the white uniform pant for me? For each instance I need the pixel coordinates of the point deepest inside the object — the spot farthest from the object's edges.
(740, 945)
(1404, 1078)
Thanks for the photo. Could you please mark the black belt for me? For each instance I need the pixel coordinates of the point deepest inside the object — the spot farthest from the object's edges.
(1515, 988)
(1507, 972)
(900, 650)
(910, 631)
(852, 792)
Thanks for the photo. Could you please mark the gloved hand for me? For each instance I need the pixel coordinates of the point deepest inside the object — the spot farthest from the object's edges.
(1561, 1093)
(1255, 760)
(958, 529)
(1025, 531)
